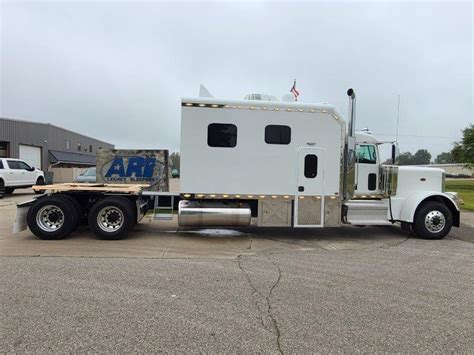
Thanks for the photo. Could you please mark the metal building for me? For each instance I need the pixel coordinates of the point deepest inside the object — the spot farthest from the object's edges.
(43, 145)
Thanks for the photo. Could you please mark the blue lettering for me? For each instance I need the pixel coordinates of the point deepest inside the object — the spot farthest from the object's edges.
(135, 166)
(116, 168)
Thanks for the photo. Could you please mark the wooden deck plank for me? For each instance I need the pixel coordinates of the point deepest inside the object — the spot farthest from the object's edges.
(64, 187)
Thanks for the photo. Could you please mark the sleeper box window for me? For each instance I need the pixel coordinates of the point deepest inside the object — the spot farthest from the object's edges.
(223, 135)
(277, 134)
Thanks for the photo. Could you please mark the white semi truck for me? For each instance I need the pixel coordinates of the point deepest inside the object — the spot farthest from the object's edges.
(265, 164)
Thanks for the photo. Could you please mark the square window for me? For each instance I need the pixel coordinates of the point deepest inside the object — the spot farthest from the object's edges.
(223, 135)
(276, 134)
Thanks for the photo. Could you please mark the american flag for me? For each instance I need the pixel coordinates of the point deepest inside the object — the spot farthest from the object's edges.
(295, 92)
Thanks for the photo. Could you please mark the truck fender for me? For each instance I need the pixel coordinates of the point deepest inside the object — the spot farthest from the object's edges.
(407, 213)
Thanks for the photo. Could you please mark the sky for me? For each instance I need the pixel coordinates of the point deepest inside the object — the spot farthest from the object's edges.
(117, 70)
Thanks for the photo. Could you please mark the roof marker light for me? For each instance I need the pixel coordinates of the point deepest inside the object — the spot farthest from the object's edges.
(202, 105)
(188, 104)
(238, 196)
(187, 195)
(312, 110)
(249, 196)
(262, 196)
(300, 110)
(264, 108)
(214, 105)
(213, 195)
(225, 196)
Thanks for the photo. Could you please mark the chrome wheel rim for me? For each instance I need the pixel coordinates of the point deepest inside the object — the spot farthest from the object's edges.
(435, 221)
(110, 219)
(50, 218)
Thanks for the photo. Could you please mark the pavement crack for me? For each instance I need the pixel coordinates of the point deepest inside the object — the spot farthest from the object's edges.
(255, 291)
(265, 298)
(269, 304)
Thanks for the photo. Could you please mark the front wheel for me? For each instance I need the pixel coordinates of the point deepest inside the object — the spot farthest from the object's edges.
(112, 217)
(433, 220)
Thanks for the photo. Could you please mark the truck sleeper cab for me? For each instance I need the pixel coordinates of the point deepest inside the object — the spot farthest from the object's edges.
(273, 164)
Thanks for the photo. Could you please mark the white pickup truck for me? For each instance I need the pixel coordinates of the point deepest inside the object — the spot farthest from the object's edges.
(16, 174)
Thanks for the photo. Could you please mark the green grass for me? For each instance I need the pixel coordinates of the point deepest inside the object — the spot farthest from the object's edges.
(465, 190)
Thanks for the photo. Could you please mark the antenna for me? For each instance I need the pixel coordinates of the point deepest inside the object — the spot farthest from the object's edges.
(398, 117)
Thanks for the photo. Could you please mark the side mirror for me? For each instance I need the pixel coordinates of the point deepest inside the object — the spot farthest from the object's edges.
(32, 168)
(395, 153)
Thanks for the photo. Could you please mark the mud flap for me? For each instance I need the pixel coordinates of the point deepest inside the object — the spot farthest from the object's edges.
(20, 218)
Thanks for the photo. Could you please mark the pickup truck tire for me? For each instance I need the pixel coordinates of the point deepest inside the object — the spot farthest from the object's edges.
(433, 220)
(51, 217)
(111, 218)
(40, 181)
(9, 190)
(2, 189)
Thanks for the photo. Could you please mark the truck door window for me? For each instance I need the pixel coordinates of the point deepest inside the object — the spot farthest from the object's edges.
(13, 164)
(366, 154)
(222, 135)
(1, 164)
(310, 166)
(22, 165)
(277, 134)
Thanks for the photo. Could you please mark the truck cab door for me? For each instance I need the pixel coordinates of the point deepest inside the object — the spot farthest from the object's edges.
(14, 176)
(309, 197)
(29, 176)
(367, 169)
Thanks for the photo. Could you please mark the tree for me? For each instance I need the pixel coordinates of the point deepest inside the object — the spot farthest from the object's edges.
(444, 158)
(463, 151)
(422, 157)
(406, 159)
(175, 160)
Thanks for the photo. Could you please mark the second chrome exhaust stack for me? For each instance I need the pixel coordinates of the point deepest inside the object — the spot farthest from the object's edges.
(352, 112)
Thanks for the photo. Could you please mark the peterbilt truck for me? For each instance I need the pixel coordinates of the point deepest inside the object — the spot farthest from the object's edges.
(266, 164)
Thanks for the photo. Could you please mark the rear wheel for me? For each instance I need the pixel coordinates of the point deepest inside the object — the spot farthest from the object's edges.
(51, 218)
(40, 181)
(77, 208)
(433, 220)
(9, 190)
(112, 218)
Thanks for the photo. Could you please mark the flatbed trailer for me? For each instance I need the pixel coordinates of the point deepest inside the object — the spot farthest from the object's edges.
(265, 164)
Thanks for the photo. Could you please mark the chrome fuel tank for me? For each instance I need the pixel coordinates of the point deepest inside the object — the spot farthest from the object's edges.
(199, 213)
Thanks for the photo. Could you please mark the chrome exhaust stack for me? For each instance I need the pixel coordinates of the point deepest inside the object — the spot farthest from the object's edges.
(349, 152)
(352, 111)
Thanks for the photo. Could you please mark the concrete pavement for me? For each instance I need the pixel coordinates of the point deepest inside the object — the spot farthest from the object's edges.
(372, 289)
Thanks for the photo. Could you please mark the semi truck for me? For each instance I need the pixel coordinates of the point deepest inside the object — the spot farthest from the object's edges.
(263, 163)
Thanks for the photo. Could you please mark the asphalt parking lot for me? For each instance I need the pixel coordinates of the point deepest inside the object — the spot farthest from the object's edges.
(241, 290)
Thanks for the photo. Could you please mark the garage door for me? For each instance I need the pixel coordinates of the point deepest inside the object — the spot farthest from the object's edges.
(31, 155)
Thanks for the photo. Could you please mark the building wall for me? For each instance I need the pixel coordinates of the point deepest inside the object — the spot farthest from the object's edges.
(46, 136)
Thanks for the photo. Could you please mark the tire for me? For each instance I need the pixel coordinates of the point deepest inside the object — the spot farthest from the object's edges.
(2, 189)
(51, 217)
(433, 220)
(9, 190)
(77, 208)
(111, 218)
(40, 181)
